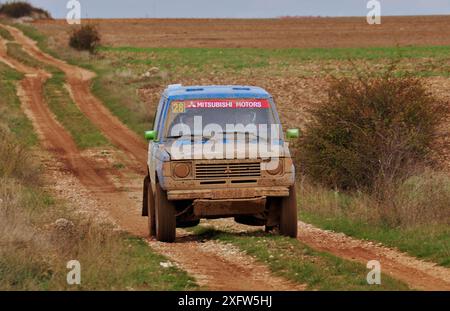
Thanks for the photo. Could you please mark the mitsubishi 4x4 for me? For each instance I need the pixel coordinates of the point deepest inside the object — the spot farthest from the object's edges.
(216, 152)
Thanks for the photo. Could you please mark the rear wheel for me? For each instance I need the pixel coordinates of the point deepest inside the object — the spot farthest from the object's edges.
(151, 211)
(288, 216)
(164, 216)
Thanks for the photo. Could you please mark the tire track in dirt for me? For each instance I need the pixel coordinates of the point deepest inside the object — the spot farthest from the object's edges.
(207, 265)
(416, 273)
(57, 141)
(227, 267)
(79, 81)
(210, 267)
(53, 135)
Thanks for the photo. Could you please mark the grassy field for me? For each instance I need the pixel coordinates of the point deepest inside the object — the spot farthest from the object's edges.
(10, 111)
(299, 263)
(85, 134)
(297, 78)
(5, 34)
(420, 227)
(237, 59)
(32, 33)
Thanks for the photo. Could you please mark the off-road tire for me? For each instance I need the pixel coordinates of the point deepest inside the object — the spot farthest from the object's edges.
(151, 211)
(164, 216)
(288, 214)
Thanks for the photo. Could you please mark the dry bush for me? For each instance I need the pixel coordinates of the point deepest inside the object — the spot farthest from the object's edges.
(34, 246)
(24, 250)
(371, 132)
(38, 236)
(17, 161)
(85, 38)
(17, 9)
(335, 204)
(421, 200)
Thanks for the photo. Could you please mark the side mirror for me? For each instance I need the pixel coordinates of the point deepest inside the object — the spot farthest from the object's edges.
(150, 135)
(292, 133)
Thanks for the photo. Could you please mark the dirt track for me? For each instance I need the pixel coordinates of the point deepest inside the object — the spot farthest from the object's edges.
(79, 83)
(418, 274)
(211, 267)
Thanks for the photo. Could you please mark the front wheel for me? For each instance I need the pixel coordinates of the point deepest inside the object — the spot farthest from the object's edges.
(164, 216)
(288, 216)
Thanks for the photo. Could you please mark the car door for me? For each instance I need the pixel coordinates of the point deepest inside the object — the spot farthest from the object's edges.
(153, 146)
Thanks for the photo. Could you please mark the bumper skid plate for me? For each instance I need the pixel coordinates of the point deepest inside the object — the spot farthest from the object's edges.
(224, 207)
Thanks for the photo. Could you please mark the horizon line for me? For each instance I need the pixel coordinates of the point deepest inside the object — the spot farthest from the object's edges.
(275, 17)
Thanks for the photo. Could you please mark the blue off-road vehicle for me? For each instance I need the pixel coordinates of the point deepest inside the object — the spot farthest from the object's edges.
(215, 152)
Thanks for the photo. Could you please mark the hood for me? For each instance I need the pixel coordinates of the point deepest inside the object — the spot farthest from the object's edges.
(189, 150)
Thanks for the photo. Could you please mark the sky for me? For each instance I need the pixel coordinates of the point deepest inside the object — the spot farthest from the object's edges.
(240, 8)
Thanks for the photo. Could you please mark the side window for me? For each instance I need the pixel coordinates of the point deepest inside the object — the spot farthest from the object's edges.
(158, 113)
(159, 117)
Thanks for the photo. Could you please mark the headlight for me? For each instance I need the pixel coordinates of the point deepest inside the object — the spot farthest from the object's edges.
(274, 168)
(181, 170)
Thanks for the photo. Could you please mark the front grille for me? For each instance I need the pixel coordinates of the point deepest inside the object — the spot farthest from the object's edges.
(227, 170)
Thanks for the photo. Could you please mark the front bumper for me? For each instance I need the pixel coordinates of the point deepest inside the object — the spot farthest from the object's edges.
(228, 193)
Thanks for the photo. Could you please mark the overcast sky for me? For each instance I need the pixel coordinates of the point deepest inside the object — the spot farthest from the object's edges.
(240, 8)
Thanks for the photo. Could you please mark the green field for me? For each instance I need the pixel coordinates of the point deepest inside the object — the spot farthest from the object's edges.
(200, 59)
(10, 111)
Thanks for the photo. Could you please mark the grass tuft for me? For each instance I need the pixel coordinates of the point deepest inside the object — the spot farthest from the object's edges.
(4, 33)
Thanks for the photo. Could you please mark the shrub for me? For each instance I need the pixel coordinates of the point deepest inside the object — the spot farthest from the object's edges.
(17, 9)
(85, 38)
(372, 131)
(16, 161)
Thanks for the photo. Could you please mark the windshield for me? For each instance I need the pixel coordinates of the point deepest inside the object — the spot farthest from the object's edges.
(203, 117)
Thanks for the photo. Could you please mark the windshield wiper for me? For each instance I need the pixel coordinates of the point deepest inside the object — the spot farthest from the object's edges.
(192, 136)
(240, 132)
(224, 135)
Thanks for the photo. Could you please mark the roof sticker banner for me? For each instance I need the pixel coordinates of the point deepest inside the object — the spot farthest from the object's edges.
(180, 106)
